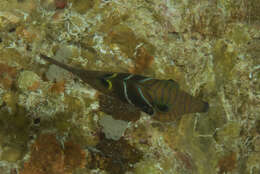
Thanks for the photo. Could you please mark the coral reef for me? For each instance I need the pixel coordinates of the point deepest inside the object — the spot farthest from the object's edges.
(51, 122)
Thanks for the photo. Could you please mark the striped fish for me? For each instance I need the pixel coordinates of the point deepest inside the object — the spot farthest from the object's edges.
(161, 98)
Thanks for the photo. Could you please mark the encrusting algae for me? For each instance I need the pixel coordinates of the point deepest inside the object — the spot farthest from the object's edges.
(51, 122)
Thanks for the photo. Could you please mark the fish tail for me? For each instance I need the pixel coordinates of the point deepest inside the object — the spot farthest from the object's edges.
(197, 105)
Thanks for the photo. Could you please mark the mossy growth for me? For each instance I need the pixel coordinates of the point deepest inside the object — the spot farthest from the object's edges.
(12, 55)
(60, 122)
(224, 61)
(85, 137)
(75, 105)
(193, 150)
(239, 34)
(253, 12)
(207, 125)
(15, 128)
(82, 6)
(11, 154)
(228, 134)
(64, 123)
(114, 19)
(147, 167)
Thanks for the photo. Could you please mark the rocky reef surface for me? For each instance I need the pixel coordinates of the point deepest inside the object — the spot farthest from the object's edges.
(52, 123)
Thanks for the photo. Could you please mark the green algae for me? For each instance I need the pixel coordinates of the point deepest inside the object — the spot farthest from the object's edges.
(82, 6)
(201, 149)
(239, 34)
(253, 13)
(11, 55)
(11, 154)
(15, 127)
(207, 125)
(227, 134)
(224, 61)
(147, 167)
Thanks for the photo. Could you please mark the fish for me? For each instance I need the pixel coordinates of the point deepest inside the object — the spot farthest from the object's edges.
(161, 98)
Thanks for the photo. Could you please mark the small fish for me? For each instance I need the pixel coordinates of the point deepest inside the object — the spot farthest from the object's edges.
(162, 98)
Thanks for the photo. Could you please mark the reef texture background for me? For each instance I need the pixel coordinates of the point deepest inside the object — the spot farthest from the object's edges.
(52, 123)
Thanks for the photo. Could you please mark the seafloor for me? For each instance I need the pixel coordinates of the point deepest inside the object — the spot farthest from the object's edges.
(53, 123)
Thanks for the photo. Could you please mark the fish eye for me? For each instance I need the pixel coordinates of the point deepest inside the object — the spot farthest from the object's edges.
(162, 107)
(107, 83)
(105, 80)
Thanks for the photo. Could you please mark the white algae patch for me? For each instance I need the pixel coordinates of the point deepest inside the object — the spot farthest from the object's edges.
(55, 73)
(113, 129)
